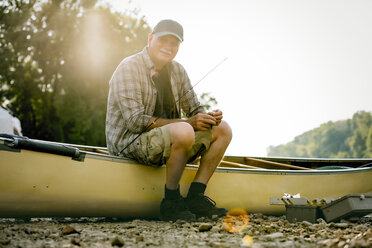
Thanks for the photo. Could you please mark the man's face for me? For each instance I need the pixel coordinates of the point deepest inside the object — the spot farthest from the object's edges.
(163, 49)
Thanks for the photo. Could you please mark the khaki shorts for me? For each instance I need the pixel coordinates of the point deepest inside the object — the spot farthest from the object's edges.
(156, 145)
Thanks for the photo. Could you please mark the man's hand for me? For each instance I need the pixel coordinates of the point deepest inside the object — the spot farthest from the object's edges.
(202, 121)
(217, 114)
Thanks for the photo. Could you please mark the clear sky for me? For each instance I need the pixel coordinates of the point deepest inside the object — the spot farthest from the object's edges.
(292, 65)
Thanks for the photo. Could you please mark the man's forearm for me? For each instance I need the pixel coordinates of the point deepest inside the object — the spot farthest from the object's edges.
(200, 122)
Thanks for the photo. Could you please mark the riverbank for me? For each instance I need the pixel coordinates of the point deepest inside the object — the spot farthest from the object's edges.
(262, 231)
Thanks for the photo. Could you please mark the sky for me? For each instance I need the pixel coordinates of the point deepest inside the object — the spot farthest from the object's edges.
(292, 64)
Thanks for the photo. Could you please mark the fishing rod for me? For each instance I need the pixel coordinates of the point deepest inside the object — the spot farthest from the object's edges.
(179, 99)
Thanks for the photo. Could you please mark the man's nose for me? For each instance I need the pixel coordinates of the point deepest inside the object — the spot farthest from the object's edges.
(168, 45)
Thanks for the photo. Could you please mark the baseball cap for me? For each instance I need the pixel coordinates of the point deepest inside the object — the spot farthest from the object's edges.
(169, 27)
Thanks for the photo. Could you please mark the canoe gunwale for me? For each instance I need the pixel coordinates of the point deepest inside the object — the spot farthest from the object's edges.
(288, 172)
(93, 155)
(297, 159)
(294, 172)
(269, 158)
(112, 158)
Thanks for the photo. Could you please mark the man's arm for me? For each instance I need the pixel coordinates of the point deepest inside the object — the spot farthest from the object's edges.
(127, 93)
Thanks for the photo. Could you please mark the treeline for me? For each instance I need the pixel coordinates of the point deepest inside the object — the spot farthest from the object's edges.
(57, 57)
(350, 138)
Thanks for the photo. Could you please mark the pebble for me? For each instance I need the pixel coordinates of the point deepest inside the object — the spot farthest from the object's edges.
(341, 225)
(180, 222)
(140, 238)
(273, 236)
(117, 241)
(306, 223)
(205, 227)
(69, 230)
(4, 241)
(75, 242)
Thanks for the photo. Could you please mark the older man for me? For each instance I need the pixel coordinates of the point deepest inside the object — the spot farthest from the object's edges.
(148, 91)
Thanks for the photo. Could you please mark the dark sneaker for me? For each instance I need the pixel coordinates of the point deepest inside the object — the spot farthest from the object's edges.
(203, 206)
(175, 210)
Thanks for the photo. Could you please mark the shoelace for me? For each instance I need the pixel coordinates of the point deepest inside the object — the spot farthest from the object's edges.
(208, 200)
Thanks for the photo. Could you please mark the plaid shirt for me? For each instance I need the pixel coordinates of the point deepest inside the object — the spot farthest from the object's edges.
(132, 100)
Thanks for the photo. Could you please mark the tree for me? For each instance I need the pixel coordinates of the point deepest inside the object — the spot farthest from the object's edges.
(57, 59)
(207, 101)
(369, 144)
(341, 139)
(361, 124)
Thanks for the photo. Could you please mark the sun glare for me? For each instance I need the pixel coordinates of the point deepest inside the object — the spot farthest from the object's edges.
(92, 43)
(236, 220)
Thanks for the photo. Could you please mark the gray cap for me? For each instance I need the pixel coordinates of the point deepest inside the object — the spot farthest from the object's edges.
(169, 27)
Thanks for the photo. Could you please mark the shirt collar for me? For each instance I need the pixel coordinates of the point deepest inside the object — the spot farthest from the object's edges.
(146, 58)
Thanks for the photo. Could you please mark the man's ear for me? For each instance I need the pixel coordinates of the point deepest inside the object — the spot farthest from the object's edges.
(151, 36)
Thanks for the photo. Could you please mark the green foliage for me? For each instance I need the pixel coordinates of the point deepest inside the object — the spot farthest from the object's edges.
(350, 138)
(207, 101)
(369, 144)
(57, 59)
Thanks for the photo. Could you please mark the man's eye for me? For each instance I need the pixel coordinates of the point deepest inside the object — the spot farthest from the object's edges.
(174, 43)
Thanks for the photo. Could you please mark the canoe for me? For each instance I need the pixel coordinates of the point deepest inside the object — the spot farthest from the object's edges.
(46, 179)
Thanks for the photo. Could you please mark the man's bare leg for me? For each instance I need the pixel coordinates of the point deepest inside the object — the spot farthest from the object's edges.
(222, 136)
(173, 206)
(182, 138)
(197, 202)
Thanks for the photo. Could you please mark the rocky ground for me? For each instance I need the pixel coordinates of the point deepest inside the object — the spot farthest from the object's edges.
(261, 231)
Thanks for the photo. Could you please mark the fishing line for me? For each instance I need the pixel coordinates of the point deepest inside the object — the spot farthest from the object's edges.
(179, 99)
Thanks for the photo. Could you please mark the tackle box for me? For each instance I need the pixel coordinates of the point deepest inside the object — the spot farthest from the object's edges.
(352, 205)
(296, 213)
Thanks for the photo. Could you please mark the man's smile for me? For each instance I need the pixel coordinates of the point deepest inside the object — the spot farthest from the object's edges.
(167, 52)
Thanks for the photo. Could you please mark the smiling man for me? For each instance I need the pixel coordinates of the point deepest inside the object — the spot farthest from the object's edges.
(148, 91)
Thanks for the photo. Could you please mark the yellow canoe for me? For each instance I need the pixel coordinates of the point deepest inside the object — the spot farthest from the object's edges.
(36, 182)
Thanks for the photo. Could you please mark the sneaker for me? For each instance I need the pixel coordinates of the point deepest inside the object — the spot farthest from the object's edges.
(203, 206)
(175, 210)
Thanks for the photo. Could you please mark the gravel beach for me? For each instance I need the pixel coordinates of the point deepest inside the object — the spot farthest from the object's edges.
(261, 231)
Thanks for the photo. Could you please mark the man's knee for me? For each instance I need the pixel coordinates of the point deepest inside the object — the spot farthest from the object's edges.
(182, 134)
(223, 131)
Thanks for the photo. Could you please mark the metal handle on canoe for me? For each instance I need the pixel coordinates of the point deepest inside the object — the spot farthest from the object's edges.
(18, 142)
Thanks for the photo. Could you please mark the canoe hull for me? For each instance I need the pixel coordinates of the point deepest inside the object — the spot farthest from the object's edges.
(34, 184)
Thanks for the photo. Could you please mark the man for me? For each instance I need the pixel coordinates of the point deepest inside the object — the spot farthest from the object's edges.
(147, 93)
